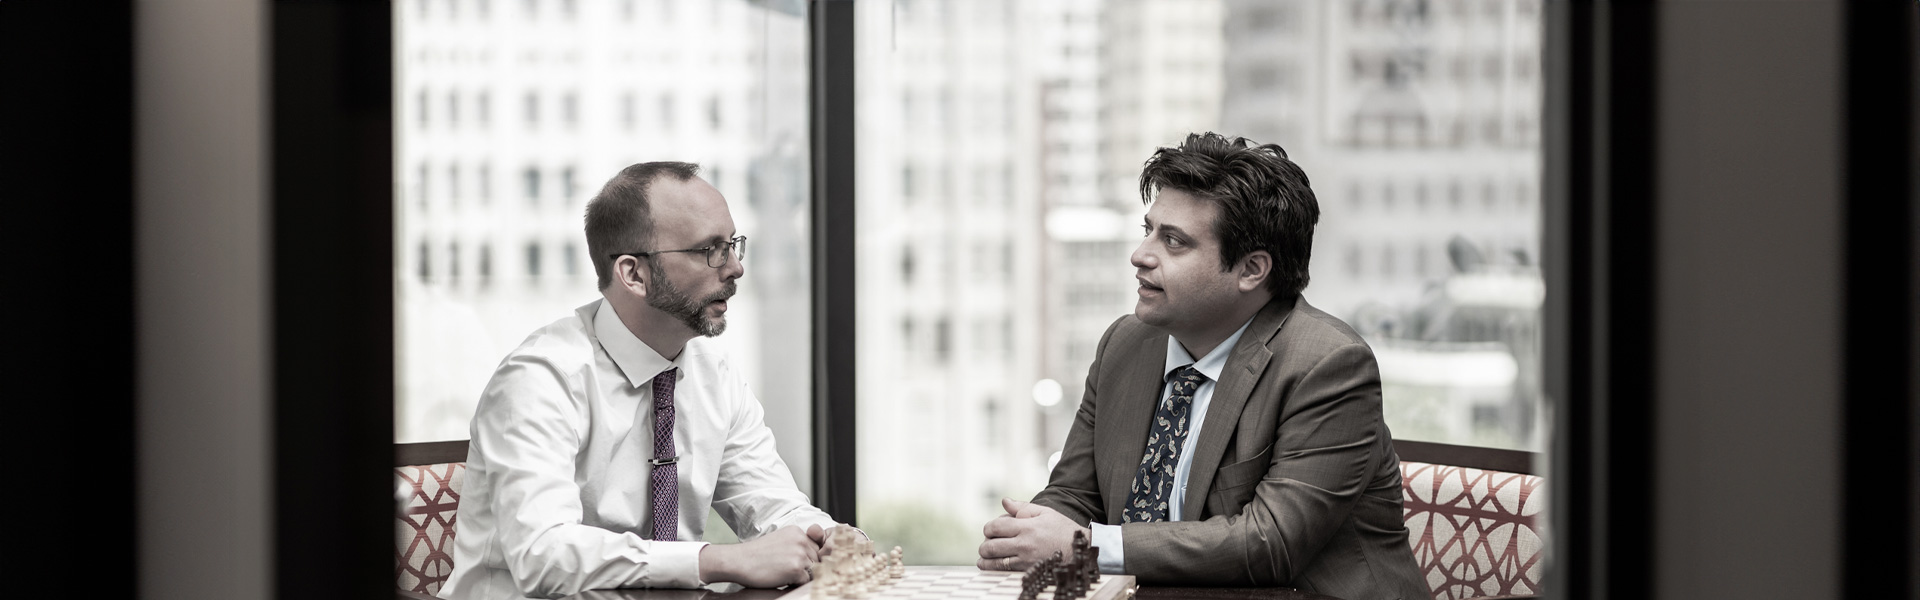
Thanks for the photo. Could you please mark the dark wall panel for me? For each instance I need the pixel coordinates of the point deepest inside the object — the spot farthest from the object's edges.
(332, 203)
(1878, 518)
(66, 174)
(1750, 300)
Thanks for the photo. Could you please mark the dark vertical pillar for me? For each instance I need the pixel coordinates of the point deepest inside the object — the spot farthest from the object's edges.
(1566, 323)
(66, 172)
(830, 82)
(1877, 523)
(1625, 272)
(332, 220)
(1598, 254)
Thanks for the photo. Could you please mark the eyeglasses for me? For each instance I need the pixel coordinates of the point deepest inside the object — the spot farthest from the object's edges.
(716, 255)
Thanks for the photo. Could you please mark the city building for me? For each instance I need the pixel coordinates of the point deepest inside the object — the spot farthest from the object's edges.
(509, 118)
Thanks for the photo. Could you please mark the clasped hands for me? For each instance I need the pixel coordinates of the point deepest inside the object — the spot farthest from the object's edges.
(772, 560)
(1027, 534)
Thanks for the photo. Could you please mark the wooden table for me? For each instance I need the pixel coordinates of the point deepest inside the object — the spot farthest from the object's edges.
(730, 591)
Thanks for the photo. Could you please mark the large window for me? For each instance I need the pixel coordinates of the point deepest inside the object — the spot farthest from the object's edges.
(1000, 143)
(509, 117)
(998, 148)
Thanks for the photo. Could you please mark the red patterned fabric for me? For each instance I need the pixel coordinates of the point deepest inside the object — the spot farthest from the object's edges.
(1474, 532)
(429, 498)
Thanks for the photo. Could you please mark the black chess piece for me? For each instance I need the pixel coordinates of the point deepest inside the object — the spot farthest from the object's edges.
(1093, 564)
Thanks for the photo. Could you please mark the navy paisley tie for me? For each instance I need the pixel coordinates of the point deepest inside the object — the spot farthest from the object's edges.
(1152, 490)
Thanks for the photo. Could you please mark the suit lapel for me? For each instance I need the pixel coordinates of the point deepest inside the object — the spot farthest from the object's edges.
(1131, 412)
(1244, 367)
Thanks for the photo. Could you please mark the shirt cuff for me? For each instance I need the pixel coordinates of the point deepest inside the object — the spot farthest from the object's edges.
(675, 564)
(1113, 560)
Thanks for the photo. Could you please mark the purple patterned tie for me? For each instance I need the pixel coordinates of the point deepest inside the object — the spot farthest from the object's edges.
(666, 477)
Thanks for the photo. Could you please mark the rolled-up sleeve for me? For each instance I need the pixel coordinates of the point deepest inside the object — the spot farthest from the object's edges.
(527, 431)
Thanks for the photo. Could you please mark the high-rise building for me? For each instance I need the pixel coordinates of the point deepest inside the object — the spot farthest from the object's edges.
(511, 115)
(948, 267)
(1086, 280)
(1418, 122)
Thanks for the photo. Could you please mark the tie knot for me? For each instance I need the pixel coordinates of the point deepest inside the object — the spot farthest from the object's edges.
(1185, 380)
(1187, 374)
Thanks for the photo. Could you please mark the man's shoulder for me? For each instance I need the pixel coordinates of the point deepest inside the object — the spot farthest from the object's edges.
(1311, 326)
(538, 378)
(568, 337)
(564, 347)
(1310, 334)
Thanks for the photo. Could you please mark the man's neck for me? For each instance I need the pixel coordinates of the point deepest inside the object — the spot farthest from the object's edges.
(658, 331)
(1202, 341)
(668, 348)
(1198, 345)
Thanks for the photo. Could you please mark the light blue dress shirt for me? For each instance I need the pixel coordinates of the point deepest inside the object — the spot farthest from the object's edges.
(1107, 537)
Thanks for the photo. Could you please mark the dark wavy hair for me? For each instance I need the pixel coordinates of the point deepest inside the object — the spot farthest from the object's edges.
(620, 217)
(1264, 199)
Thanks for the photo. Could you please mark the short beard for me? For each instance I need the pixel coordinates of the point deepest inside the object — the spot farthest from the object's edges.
(671, 300)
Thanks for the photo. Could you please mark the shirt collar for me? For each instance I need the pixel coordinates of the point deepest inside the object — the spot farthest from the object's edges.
(1210, 365)
(635, 358)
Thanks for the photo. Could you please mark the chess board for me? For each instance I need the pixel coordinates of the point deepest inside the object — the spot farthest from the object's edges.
(931, 583)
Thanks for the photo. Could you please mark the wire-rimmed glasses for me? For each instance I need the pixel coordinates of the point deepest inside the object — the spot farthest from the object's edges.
(716, 254)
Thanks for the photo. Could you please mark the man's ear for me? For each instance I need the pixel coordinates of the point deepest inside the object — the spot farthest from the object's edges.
(630, 273)
(1254, 270)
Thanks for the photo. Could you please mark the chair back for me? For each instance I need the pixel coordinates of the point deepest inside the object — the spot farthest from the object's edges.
(1472, 516)
(427, 481)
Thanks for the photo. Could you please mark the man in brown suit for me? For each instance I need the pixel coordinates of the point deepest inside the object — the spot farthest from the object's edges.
(1262, 462)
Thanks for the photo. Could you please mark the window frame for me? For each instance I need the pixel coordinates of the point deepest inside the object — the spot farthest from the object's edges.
(332, 198)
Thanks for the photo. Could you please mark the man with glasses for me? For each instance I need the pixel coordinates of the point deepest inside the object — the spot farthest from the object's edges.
(1231, 433)
(603, 440)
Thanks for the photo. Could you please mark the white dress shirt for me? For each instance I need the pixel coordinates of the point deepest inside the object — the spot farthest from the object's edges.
(556, 498)
(1107, 537)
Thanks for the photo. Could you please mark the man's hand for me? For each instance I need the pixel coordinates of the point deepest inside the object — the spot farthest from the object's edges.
(773, 560)
(1028, 534)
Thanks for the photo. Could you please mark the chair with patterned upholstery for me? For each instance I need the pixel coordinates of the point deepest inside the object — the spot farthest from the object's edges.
(427, 480)
(1473, 518)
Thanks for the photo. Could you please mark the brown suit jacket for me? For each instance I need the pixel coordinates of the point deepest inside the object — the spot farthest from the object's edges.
(1293, 482)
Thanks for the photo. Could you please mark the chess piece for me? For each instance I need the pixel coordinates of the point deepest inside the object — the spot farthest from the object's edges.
(1093, 564)
(1030, 582)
